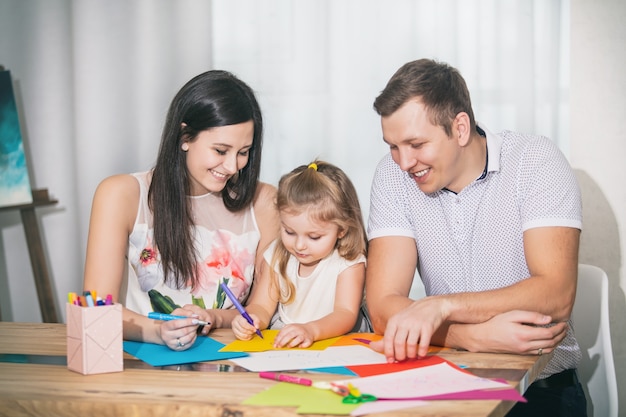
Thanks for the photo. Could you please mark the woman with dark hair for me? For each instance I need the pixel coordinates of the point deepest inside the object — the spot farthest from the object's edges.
(164, 239)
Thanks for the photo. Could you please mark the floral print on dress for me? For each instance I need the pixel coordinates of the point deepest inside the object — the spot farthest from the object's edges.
(225, 245)
(146, 261)
(223, 258)
(224, 261)
(148, 256)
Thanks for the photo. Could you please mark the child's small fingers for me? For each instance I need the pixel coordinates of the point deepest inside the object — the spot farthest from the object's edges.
(296, 341)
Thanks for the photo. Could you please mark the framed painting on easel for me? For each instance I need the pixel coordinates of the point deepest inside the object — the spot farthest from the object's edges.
(15, 186)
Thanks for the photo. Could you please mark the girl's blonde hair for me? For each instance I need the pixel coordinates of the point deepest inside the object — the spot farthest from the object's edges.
(327, 194)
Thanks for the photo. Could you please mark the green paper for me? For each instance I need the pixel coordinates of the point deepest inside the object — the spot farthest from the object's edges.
(309, 400)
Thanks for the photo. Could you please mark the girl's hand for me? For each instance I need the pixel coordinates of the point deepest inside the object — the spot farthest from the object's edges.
(244, 330)
(294, 335)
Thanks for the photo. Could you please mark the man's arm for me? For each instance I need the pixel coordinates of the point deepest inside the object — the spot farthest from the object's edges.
(391, 265)
(552, 258)
(516, 331)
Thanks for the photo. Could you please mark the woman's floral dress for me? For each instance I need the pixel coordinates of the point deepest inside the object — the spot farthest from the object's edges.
(226, 244)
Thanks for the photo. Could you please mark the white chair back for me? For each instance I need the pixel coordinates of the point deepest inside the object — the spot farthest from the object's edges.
(591, 325)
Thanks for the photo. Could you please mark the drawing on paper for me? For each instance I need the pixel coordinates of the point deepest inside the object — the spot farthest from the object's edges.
(14, 181)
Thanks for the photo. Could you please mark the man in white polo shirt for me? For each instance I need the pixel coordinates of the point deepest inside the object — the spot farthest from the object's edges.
(491, 221)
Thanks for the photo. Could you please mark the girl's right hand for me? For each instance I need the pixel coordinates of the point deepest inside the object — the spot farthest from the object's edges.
(242, 329)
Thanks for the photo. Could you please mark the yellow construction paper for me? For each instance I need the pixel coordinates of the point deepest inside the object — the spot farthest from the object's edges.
(256, 344)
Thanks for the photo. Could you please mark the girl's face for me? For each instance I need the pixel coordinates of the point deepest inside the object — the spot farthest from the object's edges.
(306, 238)
(216, 155)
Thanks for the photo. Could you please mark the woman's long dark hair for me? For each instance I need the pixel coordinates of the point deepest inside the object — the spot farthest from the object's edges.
(212, 99)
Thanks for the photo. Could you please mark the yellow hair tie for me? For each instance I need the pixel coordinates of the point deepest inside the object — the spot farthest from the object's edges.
(313, 165)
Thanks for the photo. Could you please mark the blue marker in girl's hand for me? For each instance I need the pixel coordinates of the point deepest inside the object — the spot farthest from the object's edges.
(239, 307)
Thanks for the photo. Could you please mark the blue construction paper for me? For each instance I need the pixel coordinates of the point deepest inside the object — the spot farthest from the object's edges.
(339, 370)
(203, 350)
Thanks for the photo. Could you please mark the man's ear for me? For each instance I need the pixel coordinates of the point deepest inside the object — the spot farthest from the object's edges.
(461, 129)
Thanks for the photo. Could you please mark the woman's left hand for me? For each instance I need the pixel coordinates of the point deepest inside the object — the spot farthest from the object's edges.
(201, 314)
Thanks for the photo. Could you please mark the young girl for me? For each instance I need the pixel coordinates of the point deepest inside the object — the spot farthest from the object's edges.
(315, 272)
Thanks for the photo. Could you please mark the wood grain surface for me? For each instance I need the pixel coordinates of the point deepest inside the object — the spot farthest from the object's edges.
(32, 389)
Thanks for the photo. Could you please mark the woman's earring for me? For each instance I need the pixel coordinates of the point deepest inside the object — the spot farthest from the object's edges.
(185, 146)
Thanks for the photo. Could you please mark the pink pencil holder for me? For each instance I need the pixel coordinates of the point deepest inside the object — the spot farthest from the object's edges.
(94, 339)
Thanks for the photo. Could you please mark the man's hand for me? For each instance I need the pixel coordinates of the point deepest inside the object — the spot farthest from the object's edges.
(519, 332)
(409, 331)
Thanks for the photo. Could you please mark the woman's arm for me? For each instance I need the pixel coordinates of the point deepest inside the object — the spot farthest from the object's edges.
(113, 213)
(114, 209)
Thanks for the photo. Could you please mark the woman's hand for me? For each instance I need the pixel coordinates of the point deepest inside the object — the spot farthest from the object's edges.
(181, 334)
(201, 314)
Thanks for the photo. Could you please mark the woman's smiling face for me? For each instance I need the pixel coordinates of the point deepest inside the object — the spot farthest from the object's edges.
(216, 154)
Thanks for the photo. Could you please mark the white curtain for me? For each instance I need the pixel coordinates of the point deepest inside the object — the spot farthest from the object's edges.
(94, 78)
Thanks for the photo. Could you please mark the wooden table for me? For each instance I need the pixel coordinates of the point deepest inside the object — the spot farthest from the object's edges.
(36, 389)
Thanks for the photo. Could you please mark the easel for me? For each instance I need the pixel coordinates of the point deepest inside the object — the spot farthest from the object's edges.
(47, 304)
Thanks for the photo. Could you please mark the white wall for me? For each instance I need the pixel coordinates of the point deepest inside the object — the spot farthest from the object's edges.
(598, 150)
(41, 67)
(93, 80)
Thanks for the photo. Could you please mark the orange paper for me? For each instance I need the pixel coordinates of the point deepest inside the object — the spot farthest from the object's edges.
(94, 339)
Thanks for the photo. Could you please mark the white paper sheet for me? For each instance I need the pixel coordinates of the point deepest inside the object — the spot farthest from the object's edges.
(421, 382)
(289, 359)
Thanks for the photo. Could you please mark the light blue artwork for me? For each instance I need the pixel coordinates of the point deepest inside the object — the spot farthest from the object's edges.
(14, 182)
